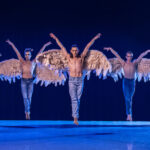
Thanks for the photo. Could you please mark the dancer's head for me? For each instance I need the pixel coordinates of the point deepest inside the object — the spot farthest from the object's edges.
(74, 52)
(28, 53)
(129, 55)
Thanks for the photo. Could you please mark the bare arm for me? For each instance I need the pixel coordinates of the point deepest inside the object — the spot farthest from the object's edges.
(141, 56)
(44, 46)
(115, 53)
(59, 44)
(15, 49)
(89, 45)
(42, 49)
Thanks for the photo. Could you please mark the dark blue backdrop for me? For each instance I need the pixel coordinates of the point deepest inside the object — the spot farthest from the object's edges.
(125, 25)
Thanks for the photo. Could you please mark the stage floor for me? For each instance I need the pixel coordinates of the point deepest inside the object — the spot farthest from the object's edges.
(63, 135)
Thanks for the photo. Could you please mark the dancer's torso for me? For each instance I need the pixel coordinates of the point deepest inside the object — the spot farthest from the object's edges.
(75, 67)
(27, 69)
(129, 70)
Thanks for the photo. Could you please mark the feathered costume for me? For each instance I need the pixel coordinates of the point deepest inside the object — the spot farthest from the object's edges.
(142, 71)
(10, 70)
(55, 60)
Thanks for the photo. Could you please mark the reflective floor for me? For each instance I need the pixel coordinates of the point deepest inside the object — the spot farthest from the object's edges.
(62, 135)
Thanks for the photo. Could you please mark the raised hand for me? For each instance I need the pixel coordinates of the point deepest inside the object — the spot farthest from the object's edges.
(15, 49)
(47, 44)
(148, 50)
(108, 48)
(53, 36)
(97, 36)
(9, 42)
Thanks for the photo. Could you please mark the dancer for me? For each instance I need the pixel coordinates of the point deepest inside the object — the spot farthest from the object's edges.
(76, 79)
(27, 69)
(129, 68)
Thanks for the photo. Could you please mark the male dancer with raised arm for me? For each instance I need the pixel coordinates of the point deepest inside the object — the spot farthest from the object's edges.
(76, 79)
(27, 67)
(128, 85)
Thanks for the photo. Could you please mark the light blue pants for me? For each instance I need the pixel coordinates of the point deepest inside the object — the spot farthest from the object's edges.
(75, 91)
(27, 90)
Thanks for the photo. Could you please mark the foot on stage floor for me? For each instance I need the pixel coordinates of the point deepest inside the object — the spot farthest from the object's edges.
(129, 118)
(76, 121)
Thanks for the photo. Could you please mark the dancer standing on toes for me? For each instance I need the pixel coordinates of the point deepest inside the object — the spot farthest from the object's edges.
(76, 79)
(27, 67)
(129, 68)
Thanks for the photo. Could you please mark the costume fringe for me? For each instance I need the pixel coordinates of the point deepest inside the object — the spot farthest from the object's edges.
(117, 70)
(10, 70)
(98, 62)
(143, 70)
(47, 76)
(95, 60)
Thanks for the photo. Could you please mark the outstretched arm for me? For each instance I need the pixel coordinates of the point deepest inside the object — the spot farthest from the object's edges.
(89, 45)
(141, 56)
(44, 46)
(59, 44)
(115, 53)
(15, 49)
(42, 49)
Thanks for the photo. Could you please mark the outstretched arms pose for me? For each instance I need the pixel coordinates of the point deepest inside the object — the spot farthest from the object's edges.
(122, 61)
(116, 54)
(60, 45)
(16, 50)
(18, 53)
(84, 53)
(141, 56)
(43, 48)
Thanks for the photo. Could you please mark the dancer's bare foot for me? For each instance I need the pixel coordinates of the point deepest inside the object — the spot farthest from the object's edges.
(129, 118)
(76, 121)
(27, 116)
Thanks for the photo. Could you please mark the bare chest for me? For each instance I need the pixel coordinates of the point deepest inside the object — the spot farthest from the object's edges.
(28, 66)
(129, 67)
(75, 62)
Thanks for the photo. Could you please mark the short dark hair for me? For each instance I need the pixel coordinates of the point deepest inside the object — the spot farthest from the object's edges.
(74, 45)
(129, 52)
(28, 50)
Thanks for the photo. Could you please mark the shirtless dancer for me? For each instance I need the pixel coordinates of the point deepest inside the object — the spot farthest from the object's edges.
(27, 67)
(76, 78)
(129, 68)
